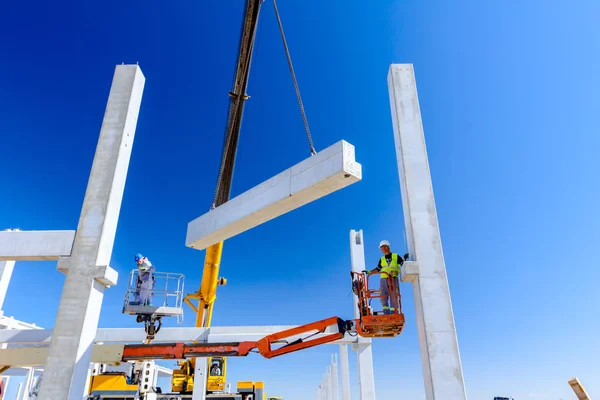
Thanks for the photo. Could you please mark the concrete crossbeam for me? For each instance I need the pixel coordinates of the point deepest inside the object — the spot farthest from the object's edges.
(70, 349)
(442, 370)
(323, 173)
(35, 245)
(167, 335)
(409, 271)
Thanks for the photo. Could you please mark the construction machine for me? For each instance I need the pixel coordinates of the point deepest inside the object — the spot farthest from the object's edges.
(371, 322)
(183, 377)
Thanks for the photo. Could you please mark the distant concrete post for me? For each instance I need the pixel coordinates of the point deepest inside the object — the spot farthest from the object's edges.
(6, 270)
(334, 377)
(366, 374)
(88, 270)
(27, 384)
(344, 372)
(442, 370)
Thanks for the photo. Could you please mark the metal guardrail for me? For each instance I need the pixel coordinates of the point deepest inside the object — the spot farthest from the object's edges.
(166, 294)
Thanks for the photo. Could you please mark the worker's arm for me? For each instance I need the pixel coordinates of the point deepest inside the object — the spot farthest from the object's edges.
(378, 268)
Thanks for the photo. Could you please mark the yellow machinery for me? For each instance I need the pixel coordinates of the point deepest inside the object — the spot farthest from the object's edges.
(207, 294)
(251, 390)
(112, 384)
(183, 378)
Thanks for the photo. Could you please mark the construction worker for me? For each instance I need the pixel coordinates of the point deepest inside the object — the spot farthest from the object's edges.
(389, 266)
(215, 370)
(145, 281)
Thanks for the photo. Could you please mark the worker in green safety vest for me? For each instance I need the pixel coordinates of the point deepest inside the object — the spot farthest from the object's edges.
(389, 266)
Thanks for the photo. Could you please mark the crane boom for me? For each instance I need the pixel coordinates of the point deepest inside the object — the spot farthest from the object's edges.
(207, 293)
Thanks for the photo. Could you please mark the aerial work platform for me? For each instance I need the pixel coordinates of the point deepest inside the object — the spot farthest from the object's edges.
(327, 171)
(166, 297)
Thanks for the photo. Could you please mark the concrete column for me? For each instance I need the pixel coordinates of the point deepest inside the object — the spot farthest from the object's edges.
(366, 377)
(27, 385)
(88, 271)
(442, 370)
(345, 371)
(329, 384)
(6, 270)
(366, 374)
(334, 378)
(200, 374)
(6, 382)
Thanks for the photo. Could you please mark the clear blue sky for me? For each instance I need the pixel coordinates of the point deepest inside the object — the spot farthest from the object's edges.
(508, 93)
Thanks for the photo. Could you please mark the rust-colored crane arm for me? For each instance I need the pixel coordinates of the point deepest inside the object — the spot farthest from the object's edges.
(265, 346)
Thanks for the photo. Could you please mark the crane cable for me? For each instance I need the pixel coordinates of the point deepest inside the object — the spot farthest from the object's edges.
(224, 180)
(289, 60)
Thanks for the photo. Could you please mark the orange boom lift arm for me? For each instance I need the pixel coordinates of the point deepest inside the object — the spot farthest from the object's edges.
(369, 324)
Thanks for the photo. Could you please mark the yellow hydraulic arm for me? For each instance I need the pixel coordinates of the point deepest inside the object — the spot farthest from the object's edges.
(206, 295)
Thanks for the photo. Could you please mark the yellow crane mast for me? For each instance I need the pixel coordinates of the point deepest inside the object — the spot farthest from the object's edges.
(183, 378)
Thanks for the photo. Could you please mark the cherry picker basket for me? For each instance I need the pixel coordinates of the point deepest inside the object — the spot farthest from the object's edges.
(377, 322)
(165, 299)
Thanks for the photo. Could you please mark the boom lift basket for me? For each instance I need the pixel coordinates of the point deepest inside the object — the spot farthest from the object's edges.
(374, 323)
(166, 296)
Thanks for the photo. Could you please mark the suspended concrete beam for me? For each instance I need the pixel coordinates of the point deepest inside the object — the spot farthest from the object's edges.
(70, 351)
(442, 370)
(35, 245)
(323, 173)
(168, 335)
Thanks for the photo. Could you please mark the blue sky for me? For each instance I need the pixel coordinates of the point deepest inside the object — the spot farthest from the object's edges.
(508, 97)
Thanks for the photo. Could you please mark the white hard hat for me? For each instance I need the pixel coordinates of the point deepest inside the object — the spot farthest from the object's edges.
(384, 243)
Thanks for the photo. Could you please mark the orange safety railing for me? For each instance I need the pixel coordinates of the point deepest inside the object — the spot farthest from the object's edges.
(378, 322)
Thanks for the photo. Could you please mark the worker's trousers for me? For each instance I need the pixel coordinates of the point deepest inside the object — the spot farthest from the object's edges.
(388, 294)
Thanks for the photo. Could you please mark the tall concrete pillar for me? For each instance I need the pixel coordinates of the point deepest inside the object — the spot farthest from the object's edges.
(366, 374)
(88, 271)
(6, 270)
(345, 372)
(442, 370)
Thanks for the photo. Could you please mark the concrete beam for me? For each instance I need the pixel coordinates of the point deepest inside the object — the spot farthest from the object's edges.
(578, 389)
(25, 357)
(35, 245)
(409, 271)
(167, 335)
(79, 308)
(323, 173)
(442, 370)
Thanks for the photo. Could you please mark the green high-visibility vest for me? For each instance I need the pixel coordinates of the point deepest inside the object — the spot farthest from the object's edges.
(392, 269)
